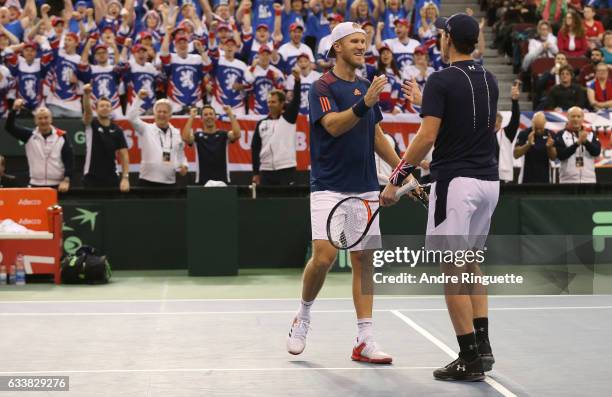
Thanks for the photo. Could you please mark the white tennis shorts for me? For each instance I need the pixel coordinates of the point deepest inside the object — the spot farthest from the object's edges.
(321, 204)
(462, 207)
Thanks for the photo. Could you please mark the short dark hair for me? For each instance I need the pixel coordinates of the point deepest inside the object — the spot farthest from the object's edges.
(208, 106)
(566, 68)
(594, 50)
(279, 94)
(104, 98)
(463, 47)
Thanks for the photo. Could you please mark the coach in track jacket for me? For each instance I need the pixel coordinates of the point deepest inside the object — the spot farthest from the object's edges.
(48, 150)
(274, 141)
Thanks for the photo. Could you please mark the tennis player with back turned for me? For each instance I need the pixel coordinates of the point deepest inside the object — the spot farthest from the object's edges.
(459, 106)
(344, 134)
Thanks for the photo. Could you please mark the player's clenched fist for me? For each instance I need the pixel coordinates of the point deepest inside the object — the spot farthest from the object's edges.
(378, 84)
(18, 104)
(87, 89)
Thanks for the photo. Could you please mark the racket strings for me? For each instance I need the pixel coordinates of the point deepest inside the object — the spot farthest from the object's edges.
(349, 222)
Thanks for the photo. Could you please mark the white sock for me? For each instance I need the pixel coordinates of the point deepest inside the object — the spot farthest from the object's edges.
(304, 311)
(365, 329)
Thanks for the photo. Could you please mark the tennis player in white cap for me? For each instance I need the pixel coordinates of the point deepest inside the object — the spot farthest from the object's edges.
(344, 135)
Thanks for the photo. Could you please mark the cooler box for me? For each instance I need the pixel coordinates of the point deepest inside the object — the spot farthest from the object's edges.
(36, 209)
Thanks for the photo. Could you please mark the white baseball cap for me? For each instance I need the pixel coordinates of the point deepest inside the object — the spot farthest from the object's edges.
(341, 31)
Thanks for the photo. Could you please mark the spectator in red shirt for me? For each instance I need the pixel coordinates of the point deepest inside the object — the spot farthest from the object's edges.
(571, 39)
(593, 29)
(599, 91)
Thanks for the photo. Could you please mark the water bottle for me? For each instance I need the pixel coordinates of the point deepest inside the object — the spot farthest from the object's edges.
(20, 276)
(12, 275)
(3, 275)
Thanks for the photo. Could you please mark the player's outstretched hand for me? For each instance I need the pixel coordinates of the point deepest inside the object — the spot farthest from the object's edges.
(143, 94)
(378, 84)
(411, 90)
(387, 197)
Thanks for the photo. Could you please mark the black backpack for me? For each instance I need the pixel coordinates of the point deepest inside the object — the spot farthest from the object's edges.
(86, 266)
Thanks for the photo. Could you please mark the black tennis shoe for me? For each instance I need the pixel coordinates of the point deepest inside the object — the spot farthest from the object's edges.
(461, 370)
(486, 355)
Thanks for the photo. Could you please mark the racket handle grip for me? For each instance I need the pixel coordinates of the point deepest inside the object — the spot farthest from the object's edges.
(405, 188)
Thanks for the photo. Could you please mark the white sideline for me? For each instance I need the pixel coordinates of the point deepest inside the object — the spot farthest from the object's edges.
(243, 312)
(378, 297)
(171, 370)
(491, 382)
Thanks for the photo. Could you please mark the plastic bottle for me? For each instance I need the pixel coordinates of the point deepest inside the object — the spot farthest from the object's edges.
(3, 275)
(12, 275)
(20, 276)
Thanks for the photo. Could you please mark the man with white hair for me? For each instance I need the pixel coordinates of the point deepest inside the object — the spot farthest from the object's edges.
(577, 149)
(161, 145)
(48, 149)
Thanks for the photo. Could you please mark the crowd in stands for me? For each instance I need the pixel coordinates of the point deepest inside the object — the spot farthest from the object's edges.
(230, 55)
(539, 39)
(194, 52)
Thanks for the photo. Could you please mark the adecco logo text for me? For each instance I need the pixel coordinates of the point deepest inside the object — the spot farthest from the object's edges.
(30, 221)
(25, 202)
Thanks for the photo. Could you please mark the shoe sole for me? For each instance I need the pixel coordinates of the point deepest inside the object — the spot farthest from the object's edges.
(487, 363)
(371, 360)
(474, 378)
(294, 352)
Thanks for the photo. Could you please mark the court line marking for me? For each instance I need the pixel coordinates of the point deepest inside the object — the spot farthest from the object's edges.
(296, 299)
(174, 370)
(442, 346)
(243, 312)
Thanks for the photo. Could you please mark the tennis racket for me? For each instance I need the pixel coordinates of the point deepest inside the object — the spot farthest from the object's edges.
(349, 221)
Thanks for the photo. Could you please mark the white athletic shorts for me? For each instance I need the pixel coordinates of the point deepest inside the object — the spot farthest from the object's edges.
(461, 209)
(321, 204)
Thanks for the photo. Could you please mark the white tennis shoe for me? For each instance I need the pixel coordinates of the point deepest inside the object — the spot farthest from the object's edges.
(369, 352)
(296, 341)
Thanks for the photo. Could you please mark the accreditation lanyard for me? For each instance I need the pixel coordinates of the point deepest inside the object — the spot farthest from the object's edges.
(162, 138)
(166, 152)
(579, 152)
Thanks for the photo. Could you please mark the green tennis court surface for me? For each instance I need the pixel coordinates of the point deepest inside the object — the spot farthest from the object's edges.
(164, 334)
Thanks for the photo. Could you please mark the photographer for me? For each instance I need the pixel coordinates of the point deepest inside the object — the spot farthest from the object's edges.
(537, 145)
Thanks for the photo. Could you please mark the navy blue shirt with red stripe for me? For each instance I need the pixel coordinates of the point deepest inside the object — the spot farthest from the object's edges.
(344, 163)
(464, 97)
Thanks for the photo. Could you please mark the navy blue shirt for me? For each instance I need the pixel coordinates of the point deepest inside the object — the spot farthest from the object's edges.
(464, 96)
(535, 169)
(344, 163)
(211, 151)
